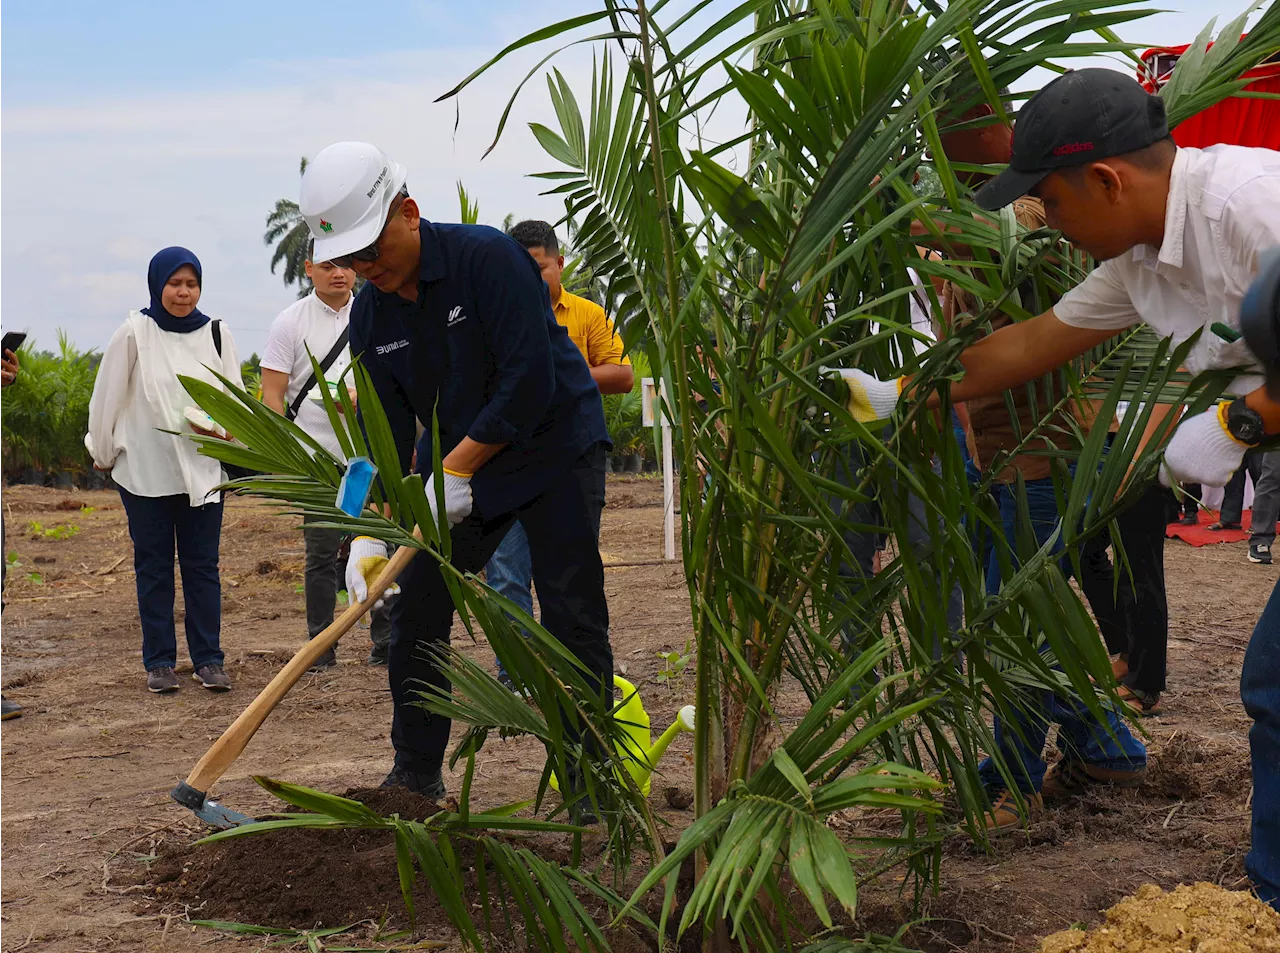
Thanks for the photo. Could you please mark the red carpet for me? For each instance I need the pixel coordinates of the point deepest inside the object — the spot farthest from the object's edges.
(1201, 535)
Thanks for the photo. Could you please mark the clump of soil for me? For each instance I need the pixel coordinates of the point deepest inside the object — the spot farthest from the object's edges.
(299, 878)
(1187, 767)
(1200, 918)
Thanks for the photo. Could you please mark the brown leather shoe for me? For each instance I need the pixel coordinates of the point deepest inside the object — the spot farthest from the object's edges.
(1070, 777)
(1006, 814)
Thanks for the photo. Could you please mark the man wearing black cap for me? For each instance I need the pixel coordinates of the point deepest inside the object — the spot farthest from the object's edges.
(1179, 233)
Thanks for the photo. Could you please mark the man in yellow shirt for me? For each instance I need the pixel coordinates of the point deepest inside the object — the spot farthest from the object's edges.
(510, 569)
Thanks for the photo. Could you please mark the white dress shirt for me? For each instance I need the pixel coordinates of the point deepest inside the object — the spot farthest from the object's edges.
(1223, 210)
(308, 323)
(137, 397)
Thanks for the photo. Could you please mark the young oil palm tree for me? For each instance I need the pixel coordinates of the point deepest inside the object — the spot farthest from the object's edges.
(791, 243)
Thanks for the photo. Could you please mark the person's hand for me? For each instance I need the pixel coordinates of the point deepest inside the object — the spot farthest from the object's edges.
(367, 559)
(869, 399)
(1202, 451)
(8, 369)
(457, 496)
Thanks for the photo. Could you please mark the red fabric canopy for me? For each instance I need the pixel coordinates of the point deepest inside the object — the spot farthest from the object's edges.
(1237, 121)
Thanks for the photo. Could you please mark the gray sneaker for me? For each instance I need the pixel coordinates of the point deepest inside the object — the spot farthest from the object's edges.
(162, 680)
(1260, 553)
(212, 677)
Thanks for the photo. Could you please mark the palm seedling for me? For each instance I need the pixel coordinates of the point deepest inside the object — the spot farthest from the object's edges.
(789, 239)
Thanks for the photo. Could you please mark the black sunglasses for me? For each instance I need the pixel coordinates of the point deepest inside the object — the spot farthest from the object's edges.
(370, 252)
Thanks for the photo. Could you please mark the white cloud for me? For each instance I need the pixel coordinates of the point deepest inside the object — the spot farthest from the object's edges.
(93, 188)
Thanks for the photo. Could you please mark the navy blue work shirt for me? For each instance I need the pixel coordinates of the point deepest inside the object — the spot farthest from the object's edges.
(481, 347)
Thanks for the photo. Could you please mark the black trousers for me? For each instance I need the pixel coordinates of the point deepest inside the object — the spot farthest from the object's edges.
(1233, 493)
(1133, 616)
(1189, 501)
(562, 524)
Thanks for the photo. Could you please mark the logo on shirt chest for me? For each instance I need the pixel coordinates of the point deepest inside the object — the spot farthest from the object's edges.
(393, 346)
(456, 316)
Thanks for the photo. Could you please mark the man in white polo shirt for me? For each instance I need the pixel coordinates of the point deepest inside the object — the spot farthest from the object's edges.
(1179, 233)
(317, 323)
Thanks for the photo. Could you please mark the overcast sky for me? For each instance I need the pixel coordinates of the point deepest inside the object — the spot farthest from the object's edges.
(128, 126)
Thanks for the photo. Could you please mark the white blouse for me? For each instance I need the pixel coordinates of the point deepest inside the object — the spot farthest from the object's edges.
(137, 396)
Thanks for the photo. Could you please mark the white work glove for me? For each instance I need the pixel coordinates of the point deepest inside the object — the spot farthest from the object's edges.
(869, 399)
(1202, 451)
(367, 559)
(457, 496)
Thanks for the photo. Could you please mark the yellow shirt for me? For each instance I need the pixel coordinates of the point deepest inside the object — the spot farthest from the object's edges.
(590, 328)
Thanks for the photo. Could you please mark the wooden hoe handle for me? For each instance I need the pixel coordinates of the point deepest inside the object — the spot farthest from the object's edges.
(226, 749)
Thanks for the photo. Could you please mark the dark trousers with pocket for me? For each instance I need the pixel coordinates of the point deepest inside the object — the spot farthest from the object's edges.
(155, 524)
(322, 580)
(1133, 610)
(561, 524)
(1233, 493)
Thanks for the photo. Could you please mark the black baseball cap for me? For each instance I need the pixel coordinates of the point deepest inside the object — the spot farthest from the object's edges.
(1082, 116)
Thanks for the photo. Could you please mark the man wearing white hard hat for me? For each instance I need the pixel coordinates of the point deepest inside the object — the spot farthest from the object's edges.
(456, 320)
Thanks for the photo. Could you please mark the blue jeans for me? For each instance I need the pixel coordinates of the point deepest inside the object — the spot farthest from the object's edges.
(510, 571)
(1260, 691)
(155, 522)
(1022, 745)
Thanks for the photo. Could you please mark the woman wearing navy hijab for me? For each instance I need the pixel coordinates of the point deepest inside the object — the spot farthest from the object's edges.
(137, 412)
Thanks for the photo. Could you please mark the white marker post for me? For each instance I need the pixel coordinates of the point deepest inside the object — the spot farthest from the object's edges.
(653, 405)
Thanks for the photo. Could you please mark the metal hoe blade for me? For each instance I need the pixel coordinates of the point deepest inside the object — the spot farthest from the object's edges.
(211, 812)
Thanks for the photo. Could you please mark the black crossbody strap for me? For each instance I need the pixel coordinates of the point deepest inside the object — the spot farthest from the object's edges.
(339, 346)
(217, 335)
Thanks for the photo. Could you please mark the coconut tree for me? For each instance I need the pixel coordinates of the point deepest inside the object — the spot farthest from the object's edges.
(791, 242)
(290, 235)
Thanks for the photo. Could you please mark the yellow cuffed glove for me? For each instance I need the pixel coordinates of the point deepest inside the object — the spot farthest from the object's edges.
(869, 399)
(367, 559)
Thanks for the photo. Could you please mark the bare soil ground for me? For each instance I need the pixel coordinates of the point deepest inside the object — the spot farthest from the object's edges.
(96, 855)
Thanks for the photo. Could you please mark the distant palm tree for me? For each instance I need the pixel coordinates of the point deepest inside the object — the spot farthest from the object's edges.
(287, 230)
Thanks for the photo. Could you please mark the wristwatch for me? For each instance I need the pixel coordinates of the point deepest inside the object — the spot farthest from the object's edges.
(1244, 423)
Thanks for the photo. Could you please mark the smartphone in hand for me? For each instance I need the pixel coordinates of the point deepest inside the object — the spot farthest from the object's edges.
(13, 340)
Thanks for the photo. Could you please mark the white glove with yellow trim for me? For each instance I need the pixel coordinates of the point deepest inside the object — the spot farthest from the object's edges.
(1203, 451)
(457, 496)
(367, 559)
(869, 399)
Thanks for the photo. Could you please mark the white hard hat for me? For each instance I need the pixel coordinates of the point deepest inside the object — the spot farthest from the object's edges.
(346, 193)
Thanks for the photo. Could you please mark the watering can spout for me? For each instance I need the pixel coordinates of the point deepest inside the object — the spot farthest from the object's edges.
(639, 756)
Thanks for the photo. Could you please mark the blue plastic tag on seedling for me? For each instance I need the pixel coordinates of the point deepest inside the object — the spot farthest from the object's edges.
(353, 491)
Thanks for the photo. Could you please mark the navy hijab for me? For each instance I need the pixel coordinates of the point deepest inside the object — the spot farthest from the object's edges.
(163, 265)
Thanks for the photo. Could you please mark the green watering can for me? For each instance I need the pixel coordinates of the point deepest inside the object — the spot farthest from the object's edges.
(640, 755)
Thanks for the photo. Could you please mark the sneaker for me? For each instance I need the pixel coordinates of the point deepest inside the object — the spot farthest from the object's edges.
(1260, 553)
(1006, 814)
(212, 677)
(582, 814)
(328, 660)
(162, 680)
(1070, 777)
(1191, 519)
(9, 709)
(429, 784)
(377, 656)
(505, 681)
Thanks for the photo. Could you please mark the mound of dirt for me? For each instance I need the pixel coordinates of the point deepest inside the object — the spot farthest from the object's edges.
(1200, 918)
(1186, 767)
(299, 878)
